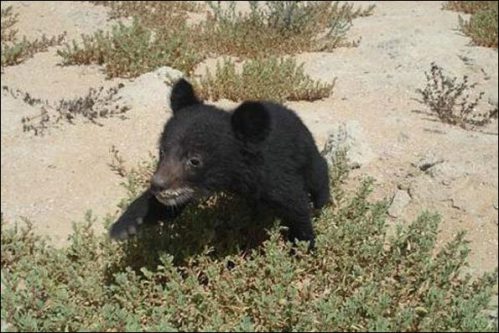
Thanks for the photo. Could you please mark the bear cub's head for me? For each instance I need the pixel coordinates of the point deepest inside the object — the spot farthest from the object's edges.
(201, 147)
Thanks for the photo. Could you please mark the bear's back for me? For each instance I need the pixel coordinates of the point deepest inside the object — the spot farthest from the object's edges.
(290, 144)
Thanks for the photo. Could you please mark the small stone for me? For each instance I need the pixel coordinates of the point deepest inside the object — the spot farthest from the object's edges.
(350, 136)
(142, 92)
(400, 200)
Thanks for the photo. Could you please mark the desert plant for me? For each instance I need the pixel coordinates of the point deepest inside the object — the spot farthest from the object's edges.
(482, 28)
(158, 36)
(469, 7)
(151, 12)
(16, 51)
(161, 36)
(25, 96)
(19, 51)
(278, 27)
(96, 104)
(450, 99)
(482, 25)
(269, 79)
(8, 19)
(129, 51)
(199, 273)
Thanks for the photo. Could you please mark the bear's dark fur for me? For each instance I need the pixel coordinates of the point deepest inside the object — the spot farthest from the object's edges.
(261, 151)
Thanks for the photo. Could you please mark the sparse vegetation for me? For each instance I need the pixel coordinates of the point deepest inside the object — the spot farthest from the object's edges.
(14, 51)
(267, 79)
(25, 96)
(161, 36)
(482, 26)
(469, 7)
(96, 104)
(209, 271)
(129, 51)
(451, 100)
(8, 19)
(152, 13)
(278, 27)
(214, 268)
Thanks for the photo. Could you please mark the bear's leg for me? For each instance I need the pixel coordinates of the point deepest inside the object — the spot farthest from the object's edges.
(317, 179)
(300, 228)
(146, 209)
(292, 206)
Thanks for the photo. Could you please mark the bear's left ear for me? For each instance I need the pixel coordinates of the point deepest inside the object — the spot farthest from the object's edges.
(182, 95)
(251, 122)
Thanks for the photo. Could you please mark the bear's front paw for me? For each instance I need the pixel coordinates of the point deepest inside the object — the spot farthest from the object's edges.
(125, 227)
(132, 218)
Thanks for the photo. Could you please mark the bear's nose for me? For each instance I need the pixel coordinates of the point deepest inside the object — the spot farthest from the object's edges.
(158, 183)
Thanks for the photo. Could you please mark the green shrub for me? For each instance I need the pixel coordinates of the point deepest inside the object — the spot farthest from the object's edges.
(158, 36)
(482, 26)
(278, 27)
(134, 50)
(161, 36)
(469, 7)
(210, 271)
(267, 79)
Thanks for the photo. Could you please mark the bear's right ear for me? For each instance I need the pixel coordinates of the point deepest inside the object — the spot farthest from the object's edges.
(182, 95)
(251, 122)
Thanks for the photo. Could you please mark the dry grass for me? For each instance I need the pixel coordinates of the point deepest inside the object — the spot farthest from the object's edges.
(451, 100)
(96, 104)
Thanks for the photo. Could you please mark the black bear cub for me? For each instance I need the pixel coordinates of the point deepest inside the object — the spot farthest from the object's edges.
(261, 151)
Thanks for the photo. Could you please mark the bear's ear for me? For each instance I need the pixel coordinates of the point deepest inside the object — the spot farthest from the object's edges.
(182, 95)
(251, 122)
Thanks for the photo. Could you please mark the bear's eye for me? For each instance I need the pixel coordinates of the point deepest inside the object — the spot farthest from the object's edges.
(194, 162)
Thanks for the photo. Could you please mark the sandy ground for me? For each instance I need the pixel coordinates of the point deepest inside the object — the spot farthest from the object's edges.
(54, 179)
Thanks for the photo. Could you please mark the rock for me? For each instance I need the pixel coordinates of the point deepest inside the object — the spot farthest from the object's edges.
(350, 136)
(400, 200)
(447, 172)
(150, 90)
